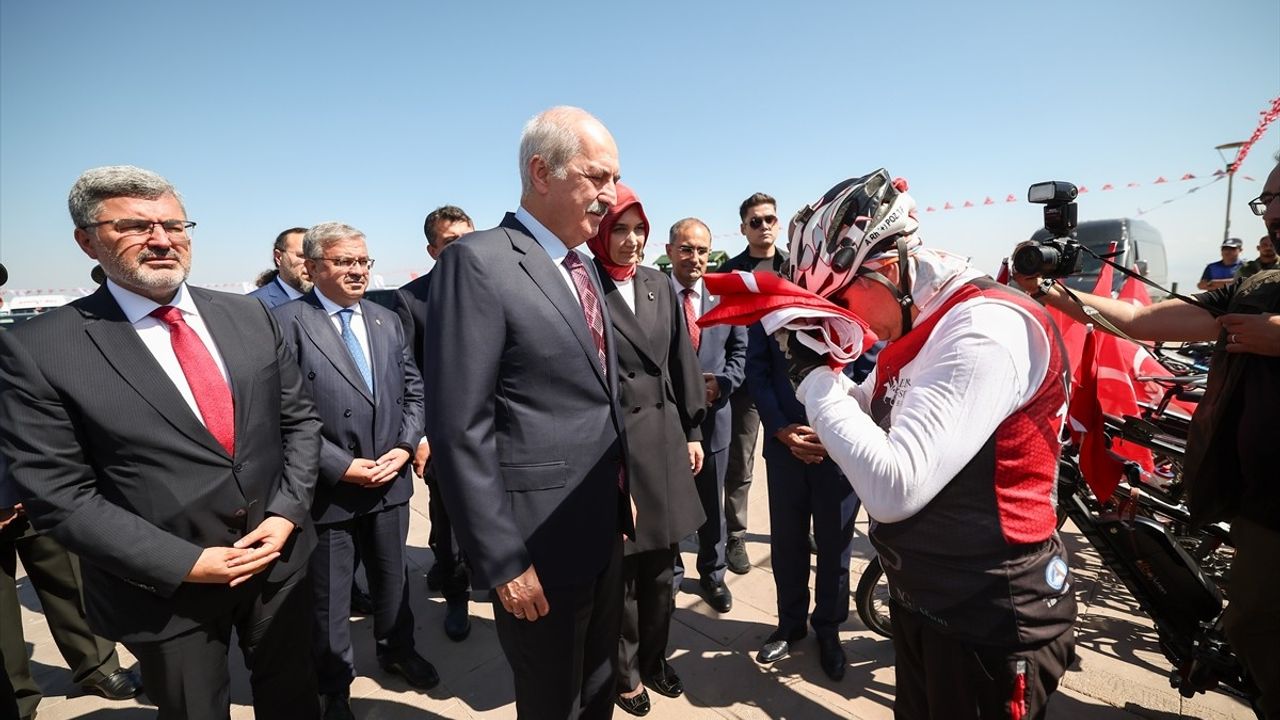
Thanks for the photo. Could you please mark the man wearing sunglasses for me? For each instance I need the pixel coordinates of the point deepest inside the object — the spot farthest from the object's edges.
(759, 215)
(161, 432)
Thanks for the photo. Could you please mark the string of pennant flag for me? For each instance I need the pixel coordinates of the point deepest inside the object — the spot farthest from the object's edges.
(1106, 187)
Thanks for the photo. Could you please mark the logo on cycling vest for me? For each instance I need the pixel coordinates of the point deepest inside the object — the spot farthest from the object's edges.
(897, 387)
(1055, 574)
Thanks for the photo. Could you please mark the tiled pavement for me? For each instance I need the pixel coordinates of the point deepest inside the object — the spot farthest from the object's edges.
(1120, 675)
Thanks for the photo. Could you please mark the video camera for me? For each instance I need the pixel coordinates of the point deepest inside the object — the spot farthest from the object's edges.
(1059, 256)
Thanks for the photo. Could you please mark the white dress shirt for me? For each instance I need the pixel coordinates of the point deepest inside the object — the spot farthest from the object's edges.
(697, 293)
(358, 327)
(554, 247)
(628, 289)
(154, 334)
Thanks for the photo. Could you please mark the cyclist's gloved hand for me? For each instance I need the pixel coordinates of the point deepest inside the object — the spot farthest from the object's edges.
(800, 359)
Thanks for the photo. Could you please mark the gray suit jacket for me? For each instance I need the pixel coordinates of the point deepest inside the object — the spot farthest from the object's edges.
(356, 422)
(113, 464)
(722, 352)
(271, 294)
(523, 425)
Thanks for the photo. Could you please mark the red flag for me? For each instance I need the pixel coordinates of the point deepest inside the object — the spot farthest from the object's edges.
(1188, 176)
(988, 201)
(948, 206)
(1160, 180)
(1011, 198)
(968, 204)
(929, 209)
(1108, 186)
(1101, 470)
(1002, 277)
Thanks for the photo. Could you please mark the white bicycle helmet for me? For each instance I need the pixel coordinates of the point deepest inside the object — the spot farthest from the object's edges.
(852, 226)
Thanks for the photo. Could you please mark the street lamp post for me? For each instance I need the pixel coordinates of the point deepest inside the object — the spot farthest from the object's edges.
(1231, 176)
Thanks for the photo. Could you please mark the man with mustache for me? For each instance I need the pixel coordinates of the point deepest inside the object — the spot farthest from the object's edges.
(1228, 476)
(161, 433)
(522, 416)
(290, 281)
(358, 367)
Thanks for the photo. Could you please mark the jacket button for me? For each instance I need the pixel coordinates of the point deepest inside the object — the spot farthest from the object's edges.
(631, 375)
(635, 409)
(658, 405)
(346, 413)
(399, 401)
(241, 512)
(238, 467)
(311, 376)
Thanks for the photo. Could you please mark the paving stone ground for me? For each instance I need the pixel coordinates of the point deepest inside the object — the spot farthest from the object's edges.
(1121, 674)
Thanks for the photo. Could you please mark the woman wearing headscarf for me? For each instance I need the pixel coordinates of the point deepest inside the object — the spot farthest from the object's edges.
(663, 401)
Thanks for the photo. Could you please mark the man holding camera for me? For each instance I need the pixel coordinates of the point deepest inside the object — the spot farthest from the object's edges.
(1227, 476)
(952, 445)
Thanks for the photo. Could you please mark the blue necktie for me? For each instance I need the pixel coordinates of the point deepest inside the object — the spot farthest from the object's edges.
(353, 347)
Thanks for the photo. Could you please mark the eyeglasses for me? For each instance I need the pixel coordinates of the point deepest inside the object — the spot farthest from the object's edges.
(1259, 204)
(760, 220)
(137, 226)
(345, 262)
(691, 250)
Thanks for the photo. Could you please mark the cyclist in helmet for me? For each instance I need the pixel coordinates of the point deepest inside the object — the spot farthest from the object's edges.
(952, 444)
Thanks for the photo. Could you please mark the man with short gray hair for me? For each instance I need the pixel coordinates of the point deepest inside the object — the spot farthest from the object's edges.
(161, 432)
(521, 407)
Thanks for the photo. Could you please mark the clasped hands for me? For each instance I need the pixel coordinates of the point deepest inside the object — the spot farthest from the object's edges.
(250, 555)
(374, 473)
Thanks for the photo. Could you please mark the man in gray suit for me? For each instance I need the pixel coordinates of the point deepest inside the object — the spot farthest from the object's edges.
(290, 281)
(161, 433)
(523, 420)
(368, 392)
(722, 352)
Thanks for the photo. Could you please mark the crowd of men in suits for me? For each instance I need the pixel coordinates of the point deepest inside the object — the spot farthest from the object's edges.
(202, 463)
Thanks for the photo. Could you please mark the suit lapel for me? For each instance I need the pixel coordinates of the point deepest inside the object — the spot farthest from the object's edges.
(320, 330)
(546, 276)
(119, 343)
(382, 359)
(628, 323)
(706, 350)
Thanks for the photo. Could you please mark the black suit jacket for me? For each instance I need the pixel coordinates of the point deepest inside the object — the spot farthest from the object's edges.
(663, 400)
(722, 352)
(524, 427)
(411, 306)
(357, 423)
(111, 461)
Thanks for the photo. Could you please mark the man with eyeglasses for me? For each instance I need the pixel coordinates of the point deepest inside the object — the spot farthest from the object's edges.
(356, 364)
(1226, 474)
(161, 432)
(759, 216)
(290, 281)
(722, 351)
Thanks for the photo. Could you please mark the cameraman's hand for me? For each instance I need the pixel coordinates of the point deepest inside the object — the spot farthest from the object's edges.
(800, 359)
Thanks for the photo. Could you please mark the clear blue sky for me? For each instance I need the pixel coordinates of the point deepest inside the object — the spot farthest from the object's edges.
(273, 114)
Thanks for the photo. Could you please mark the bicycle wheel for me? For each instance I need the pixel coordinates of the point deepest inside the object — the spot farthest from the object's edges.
(871, 599)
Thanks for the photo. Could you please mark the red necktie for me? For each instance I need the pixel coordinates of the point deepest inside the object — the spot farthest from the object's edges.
(590, 305)
(691, 320)
(212, 395)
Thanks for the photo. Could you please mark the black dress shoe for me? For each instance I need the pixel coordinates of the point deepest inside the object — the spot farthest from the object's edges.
(666, 683)
(831, 656)
(361, 603)
(436, 577)
(413, 668)
(717, 595)
(119, 685)
(457, 621)
(777, 647)
(336, 706)
(637, 705)
(735, 555)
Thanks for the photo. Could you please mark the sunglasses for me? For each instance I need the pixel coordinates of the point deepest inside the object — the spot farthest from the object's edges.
(757, 222)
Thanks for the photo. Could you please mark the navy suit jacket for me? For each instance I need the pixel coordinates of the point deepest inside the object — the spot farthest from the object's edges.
(722, 352)
(357, 423)
(411, 306)
(271, 294)
(524, 426)
(769, 385)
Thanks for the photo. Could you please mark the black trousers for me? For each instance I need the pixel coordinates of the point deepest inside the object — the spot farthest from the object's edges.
(443, 544)
(712, 533)
(741, 461)
(798, 493)
(646, 616)
(55, 575)
(564, 663)
(1253, 616)
(186, 676)
(940, 678)
(379, 538)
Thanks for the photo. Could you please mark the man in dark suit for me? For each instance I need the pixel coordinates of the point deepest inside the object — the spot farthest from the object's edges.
(523, 422)
(759, 215)
(448, 574)
(161, 433)
(368, 392)
(805, 486)
(290, 281)
(722, 353)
